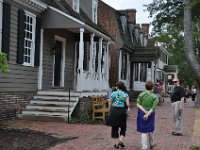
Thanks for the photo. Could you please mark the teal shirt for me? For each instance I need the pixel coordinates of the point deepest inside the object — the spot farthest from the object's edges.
(118, 98)
(148, 100)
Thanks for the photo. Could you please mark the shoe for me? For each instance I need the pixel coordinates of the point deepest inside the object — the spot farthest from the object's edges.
(177, 134)
(152, 146)
(116, 146)
(121, 144)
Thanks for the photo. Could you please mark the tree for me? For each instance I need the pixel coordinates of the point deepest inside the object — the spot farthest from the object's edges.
(188, 47)
(170, 14)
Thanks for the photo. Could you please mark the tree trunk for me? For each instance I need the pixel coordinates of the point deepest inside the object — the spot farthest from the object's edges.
(188, 47)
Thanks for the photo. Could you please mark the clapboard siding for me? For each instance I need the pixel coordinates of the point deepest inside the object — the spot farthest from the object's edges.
(48, 57)
(20, 78)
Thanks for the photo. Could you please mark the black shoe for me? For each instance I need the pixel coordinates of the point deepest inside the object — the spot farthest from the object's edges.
(177, 134)
(116, 146)
(121, 144)
(152, 146)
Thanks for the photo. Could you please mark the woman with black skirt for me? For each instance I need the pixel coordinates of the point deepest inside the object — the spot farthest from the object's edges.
(118, 114)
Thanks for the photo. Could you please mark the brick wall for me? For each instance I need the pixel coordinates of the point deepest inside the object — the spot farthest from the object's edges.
(11, 103)
(107, 18)
(84, 107)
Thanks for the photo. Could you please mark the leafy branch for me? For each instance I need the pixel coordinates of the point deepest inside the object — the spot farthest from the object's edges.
(3, 63)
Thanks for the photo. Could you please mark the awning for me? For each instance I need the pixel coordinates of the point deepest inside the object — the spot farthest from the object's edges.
(54, 18)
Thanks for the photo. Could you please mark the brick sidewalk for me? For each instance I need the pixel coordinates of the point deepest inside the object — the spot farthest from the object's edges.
(97, 136)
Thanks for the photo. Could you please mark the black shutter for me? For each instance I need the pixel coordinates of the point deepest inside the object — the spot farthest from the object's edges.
(37, 42)
(20, 40)
(6, 29)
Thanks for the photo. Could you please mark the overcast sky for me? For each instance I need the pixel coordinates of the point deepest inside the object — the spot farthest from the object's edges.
(141, 16)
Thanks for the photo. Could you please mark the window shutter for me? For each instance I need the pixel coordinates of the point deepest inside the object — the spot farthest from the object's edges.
(6, 29)
(20, 40)
(37, 42)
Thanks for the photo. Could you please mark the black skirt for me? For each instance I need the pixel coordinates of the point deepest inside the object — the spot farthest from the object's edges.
(118, 117)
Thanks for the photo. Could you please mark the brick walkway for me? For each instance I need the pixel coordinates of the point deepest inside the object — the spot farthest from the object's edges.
(97, 136)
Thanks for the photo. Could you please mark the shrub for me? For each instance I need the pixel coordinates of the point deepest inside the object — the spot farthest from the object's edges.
(195, 147)
(3, 63)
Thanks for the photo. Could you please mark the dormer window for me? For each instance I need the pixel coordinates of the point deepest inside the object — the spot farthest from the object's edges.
(76, 5)
(94, 11)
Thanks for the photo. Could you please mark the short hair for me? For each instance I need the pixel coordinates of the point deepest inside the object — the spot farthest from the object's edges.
(120, 85)
(149, 85)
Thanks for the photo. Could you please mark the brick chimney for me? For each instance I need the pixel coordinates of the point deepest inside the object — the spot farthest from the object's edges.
(131, 13)
(145, 28)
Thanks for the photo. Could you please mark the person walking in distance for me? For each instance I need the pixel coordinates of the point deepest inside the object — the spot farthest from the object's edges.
(147, 102)
(177, 99)
(118, 114)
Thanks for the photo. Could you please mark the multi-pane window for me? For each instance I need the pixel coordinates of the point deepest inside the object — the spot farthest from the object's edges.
(124, 66)
(136, 67)
(29, 39)
(96, 57)
(140, 71)
(86, 56)
(103, 59)
(76, 5)
(143, 72)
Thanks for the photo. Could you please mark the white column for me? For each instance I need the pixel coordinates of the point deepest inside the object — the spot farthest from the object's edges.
(80, 62)
(139, 66)
(91, 53)
(1, 16)
(40, 72)
(99, 61)
(107, 61)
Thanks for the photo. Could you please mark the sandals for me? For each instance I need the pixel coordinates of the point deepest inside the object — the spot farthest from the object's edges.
(116, 146)
(121, 144)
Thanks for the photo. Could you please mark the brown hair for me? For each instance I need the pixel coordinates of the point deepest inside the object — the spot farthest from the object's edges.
(149, 85)
(120, 85)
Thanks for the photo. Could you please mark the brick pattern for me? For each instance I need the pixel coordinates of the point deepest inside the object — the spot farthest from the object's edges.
(11, 103)
(84, 107)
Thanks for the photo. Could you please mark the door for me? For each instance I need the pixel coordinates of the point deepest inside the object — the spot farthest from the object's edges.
(57, 63)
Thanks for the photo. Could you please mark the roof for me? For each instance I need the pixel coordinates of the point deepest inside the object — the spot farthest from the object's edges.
(66, 8)
(125, 35)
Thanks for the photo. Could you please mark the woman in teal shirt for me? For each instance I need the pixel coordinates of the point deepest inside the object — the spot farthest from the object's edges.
(119, 99)
(146, 102)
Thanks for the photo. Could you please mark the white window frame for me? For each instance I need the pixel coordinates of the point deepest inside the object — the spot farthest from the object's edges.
(32, 44)
(75, 5)
(1, 17)
(94, 11)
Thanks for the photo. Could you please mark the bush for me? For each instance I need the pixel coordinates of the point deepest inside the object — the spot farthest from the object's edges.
(195, 147)
(82, 119)
(3, 62)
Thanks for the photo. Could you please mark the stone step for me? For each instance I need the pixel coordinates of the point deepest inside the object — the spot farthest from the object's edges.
(48, 107)
(58, 93)
(50, 102)
(54, 97)
(42, 118)
(47, 113)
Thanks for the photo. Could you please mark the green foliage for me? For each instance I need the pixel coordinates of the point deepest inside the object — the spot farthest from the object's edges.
(195, 147)
(3, 63)
(81, 119)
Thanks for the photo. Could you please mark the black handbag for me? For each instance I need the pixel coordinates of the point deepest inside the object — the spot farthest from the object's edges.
(108, 121)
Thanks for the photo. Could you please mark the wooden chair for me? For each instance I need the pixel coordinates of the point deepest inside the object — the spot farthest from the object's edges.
(99, 108)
